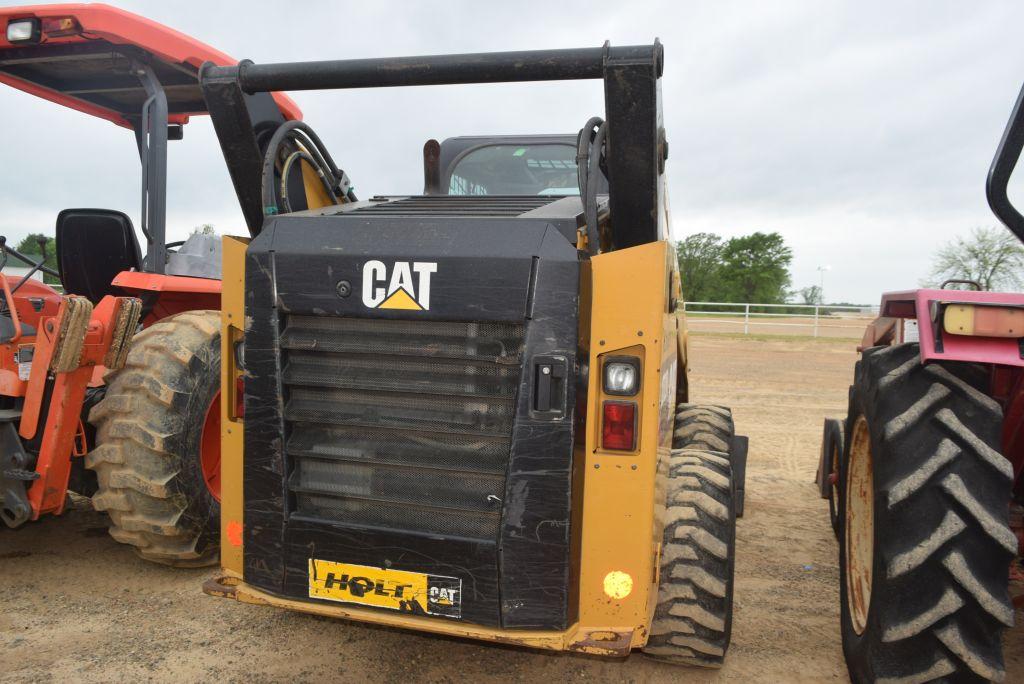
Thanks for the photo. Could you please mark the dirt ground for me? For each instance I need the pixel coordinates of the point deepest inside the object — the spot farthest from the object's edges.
(76, 606)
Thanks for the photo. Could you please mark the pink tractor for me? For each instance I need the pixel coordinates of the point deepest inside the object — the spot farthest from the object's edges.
(923, 474)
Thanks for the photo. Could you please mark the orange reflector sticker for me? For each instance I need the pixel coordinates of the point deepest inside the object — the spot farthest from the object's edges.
(234, 533)
(618, 584)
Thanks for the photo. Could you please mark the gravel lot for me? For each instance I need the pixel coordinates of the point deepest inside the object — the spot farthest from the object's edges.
(74, 605)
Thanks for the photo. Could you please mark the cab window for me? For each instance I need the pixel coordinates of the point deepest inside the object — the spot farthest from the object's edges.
(544, 169)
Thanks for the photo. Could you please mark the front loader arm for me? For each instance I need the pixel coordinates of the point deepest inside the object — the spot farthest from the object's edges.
(68, 348)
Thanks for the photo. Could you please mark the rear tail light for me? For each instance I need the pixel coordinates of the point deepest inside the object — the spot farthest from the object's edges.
(56, 27)
(984, 320)
(618, 429)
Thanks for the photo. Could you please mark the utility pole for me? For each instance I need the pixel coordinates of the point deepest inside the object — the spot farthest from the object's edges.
(821, 283)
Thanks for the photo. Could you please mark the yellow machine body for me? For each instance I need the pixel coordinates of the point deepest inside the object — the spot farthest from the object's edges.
(627, 306)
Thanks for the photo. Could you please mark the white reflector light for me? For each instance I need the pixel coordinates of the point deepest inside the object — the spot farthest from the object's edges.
(23, 31)
(620, 378)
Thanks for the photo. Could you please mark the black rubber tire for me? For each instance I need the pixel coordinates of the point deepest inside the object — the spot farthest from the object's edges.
(148, 431)
(832, 443)
(942, 543)
(703, 427)
(693, 619)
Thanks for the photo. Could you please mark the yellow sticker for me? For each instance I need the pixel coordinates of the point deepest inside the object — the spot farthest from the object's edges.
(409, 592)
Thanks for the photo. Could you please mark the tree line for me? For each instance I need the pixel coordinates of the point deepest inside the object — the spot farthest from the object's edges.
(748, 268)
(755, 268)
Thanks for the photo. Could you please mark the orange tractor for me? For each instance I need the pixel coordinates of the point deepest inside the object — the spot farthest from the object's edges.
(113, 390)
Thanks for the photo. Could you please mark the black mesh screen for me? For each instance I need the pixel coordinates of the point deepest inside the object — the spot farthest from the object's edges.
(401, 424)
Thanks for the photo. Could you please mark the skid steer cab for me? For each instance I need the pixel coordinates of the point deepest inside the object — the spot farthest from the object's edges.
(926, 472)
(153, 426)
(504, 165)
(466, 412)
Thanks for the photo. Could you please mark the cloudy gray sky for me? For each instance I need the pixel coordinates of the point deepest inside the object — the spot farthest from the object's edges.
(860, 131)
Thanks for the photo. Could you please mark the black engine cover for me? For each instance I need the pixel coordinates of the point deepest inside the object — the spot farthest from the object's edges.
(409, 405)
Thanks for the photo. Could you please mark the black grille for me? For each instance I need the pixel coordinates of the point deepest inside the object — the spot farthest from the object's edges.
(401, 424)
(453, 205)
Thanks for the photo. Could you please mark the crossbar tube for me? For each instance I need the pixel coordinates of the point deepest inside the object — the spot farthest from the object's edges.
(490, 67)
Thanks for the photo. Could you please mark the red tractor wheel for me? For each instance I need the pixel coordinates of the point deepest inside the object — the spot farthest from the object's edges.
(832, 444)
(925, 537)
(209, 448)
(209, 443)
(157, 452)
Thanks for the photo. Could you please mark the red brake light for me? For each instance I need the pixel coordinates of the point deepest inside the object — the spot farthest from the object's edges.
(618, 429)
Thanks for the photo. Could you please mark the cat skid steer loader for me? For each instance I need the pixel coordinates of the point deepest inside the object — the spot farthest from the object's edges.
(468, 415)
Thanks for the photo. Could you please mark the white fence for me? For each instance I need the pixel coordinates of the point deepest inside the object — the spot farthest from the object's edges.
(786, 319)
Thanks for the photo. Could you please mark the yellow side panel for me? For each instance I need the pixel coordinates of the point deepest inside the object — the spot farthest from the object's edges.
(623, 494)
(316, 196)
(232, 327)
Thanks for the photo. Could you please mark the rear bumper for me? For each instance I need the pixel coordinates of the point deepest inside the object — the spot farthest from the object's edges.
(601, 641)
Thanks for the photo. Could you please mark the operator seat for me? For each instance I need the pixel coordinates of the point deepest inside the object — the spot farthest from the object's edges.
(93, 246)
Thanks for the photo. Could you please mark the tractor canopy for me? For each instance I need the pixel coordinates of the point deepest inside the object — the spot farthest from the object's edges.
(131, 71)
(82, 56)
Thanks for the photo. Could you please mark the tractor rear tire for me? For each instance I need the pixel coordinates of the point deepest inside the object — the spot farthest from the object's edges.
(693, 619)
(148, 432)
(832, 445)
(926, 541)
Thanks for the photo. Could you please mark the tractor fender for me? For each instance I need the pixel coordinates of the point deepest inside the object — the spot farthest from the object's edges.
(167, 295)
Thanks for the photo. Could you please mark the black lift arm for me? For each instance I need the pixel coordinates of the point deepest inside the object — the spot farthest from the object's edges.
(636, 147)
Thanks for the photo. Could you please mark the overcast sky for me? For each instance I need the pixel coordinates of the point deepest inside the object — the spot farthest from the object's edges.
(861, 131)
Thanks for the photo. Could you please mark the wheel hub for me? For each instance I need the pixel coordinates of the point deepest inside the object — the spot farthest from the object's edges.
(209, 448)
(859, 536)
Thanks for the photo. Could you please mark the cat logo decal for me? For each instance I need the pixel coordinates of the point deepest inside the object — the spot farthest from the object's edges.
(407, 287)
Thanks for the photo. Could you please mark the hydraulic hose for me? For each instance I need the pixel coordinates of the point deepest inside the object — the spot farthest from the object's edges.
(589, 155)
(286, 168)
(301, 135)
(583, 142)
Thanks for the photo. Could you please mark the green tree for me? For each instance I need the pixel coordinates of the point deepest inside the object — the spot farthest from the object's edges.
(700, 259)
(811, 294)
(991, 257)
(29, 246)
(755, 268)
